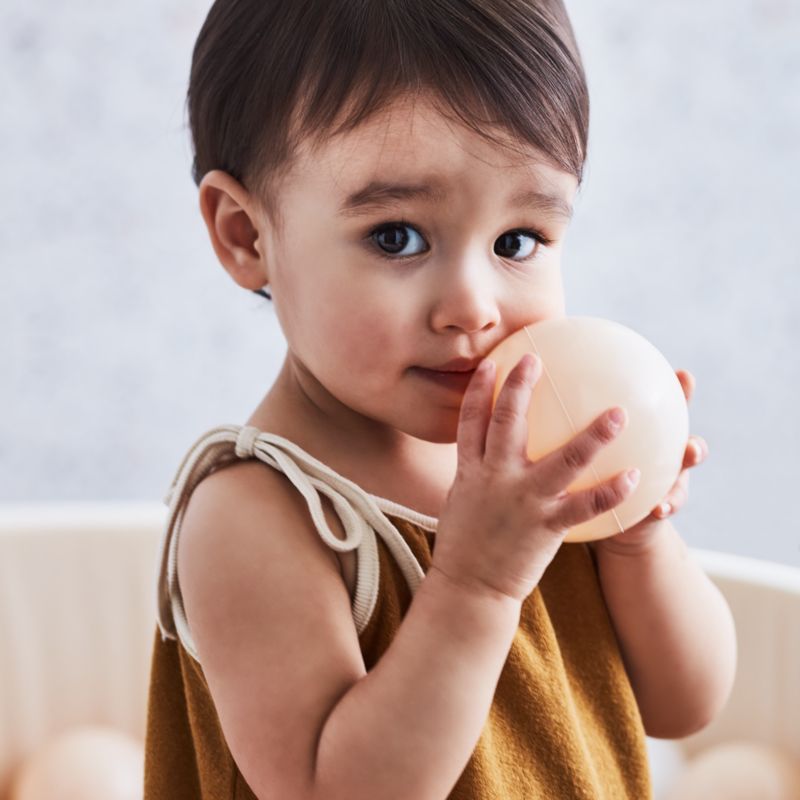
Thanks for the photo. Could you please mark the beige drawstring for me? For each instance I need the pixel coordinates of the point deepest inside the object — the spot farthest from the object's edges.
(362, 516)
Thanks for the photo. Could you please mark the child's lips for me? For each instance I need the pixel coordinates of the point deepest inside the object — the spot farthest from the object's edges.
(458, 364)
(455, 381)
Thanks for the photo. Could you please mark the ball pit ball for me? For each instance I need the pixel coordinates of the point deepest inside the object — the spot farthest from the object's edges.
(86, 762)
(738, 770)
(590, 365)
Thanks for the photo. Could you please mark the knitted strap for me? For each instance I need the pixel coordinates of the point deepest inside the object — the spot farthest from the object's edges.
(358, 511)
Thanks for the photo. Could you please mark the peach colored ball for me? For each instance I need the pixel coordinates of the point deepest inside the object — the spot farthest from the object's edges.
(87, 762)
(738, 770)
(590, 365)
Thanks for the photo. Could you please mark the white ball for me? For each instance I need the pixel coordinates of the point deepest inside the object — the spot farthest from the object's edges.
(739, 770)
(589, 366)
(88, 762)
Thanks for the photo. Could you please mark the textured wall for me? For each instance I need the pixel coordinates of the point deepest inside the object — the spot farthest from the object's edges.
(123, 339)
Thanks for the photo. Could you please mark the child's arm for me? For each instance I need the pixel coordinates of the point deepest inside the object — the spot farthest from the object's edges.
(408, 728)
(270, 612)
(271, 620)
(675, 629)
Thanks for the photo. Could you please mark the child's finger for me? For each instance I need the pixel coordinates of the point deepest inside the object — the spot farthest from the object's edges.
(507, 435)
(676, 498)
(695, 452)
(476, 409)
(558, 469)
(584, 505)
(687, 382)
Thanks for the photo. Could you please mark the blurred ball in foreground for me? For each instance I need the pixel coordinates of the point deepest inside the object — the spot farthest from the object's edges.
(88, 762)
(590, 365)
(738, 770)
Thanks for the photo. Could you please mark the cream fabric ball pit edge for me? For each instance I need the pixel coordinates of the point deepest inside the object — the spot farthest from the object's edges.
(78, 617)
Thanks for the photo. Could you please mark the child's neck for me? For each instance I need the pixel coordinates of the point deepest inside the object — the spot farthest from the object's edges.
(381, 460)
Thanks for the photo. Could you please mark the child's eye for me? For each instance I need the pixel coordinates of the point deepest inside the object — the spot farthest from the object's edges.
(392, 239)
(511, 241)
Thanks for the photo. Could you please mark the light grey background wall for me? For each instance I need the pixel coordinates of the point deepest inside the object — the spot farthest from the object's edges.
(123, 339)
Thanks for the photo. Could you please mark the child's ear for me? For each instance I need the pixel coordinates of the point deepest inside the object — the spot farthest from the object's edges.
(230, 216)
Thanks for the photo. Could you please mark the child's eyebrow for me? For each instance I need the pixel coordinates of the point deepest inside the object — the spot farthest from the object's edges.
(380, 194)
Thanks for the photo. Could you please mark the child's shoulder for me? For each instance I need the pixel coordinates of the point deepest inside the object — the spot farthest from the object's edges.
(270, 618)
(252, 507)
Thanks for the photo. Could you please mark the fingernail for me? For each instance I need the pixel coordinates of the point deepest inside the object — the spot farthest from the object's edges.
(664, 509)
(616, 417)
(632, 476)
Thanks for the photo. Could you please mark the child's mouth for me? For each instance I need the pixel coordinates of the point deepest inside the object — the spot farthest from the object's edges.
(455, 381)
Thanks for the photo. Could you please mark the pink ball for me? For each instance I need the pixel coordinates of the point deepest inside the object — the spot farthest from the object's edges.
(739, 770)
(589, 366)
(89, 762)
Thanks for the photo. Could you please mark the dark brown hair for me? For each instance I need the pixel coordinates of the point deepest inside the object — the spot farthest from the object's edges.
(269, 74)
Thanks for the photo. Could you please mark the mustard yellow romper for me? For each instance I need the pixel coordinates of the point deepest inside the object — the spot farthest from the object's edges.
(563, 725)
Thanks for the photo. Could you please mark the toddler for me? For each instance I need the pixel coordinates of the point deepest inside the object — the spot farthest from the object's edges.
(364, 591)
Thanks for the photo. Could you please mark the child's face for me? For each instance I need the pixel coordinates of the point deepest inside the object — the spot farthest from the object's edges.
(357, 323)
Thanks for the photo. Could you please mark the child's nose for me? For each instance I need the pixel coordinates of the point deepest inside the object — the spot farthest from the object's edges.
(465, 300)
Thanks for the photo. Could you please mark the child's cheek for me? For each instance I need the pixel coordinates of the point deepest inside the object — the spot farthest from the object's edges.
(371, 344)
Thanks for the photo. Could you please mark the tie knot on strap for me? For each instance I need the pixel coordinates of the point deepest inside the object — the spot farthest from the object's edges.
(245, 441)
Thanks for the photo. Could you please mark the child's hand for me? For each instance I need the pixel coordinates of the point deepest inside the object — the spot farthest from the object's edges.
(506, 516)
(696, 452)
